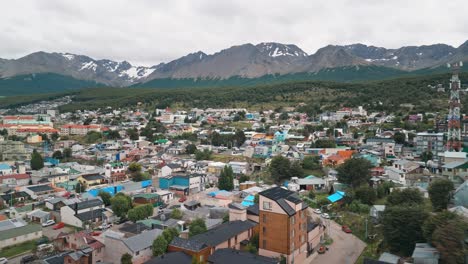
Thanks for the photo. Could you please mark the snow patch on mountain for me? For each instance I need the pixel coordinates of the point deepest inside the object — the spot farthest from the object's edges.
(89, 66)
(68, 56)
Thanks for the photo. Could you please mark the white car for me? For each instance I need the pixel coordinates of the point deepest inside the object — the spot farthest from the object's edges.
(317, 211)
(48, 223)
(326, 216)
(3, 260)
(104, 226)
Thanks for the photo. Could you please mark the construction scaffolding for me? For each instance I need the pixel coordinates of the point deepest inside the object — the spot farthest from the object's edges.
(454, 142)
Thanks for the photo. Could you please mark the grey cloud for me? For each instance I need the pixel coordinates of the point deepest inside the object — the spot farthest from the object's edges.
(148, 32)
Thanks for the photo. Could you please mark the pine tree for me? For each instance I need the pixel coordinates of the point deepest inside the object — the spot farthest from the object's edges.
(37, 162)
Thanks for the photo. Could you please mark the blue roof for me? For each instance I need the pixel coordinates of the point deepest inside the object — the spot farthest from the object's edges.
(336, 196)
(249, 198)
(247, 203)
(4, 166)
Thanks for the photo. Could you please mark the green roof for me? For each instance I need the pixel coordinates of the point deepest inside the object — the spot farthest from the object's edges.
(149, 222)
(20, 231)
(146, 195)
(163, 141)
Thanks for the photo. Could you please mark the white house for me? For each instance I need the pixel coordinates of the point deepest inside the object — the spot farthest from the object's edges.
(77, 214)
(16, 231)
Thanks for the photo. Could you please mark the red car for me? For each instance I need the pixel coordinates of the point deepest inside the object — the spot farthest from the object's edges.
(182, 199)
(59, 225)
(346, 229)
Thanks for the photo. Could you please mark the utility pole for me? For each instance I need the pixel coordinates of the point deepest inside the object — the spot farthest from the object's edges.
(366, 228)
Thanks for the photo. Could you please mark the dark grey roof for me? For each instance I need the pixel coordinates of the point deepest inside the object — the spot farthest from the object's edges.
(88, 204)
(189, 244)
(56, 259)
(191, 203)
(280, 196)
(232, 256)
(236, 206)
(173, 165)
(277, 193)
(311, 226)
(93, 177)
(40, 188)
(90, 215)
(133, 228)
(253, 210)
(371, 261)
(171, 258)
(223, 232)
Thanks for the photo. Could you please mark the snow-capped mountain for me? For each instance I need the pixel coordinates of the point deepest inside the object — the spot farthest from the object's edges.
(245, 60)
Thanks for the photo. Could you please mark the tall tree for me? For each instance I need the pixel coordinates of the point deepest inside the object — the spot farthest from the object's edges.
(106, 197)
(296, 170)
(449, 240)
(354, 171)
(226, 179)
(280, 168)
(80, 187)
(239, 138)
(440, 192)
(403, 228)
(407, 196)
(159, 246)
(121, 203)
(434, 221)
(399, 138)
(191, 149)
(311, 163)
(67, 153)
(197, 226)
(426, 156)
(366, 195)
(37, 162)
(57, 154)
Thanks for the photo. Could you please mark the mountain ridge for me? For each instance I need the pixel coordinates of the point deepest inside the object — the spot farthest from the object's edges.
(244, 61)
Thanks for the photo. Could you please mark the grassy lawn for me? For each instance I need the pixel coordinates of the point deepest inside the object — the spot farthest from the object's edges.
(357, 224)
(17, 249)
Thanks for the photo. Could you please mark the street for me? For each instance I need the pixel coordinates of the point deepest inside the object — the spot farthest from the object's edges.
(345, 249)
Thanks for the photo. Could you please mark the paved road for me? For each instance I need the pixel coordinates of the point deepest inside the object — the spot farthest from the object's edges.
(346, 248)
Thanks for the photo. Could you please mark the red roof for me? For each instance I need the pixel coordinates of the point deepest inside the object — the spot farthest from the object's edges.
(38, 130)
(80, 126)
(16, 176)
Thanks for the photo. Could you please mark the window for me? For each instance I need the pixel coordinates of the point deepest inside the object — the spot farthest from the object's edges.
(264, 218)
(292, 246)
(264, 230)
(302, 238)
(293, 220)
(264, 243)
(266, 205)
(137, 253)
(292, 233)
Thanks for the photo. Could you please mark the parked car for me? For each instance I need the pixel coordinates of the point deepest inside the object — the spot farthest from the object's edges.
(346, 229)
(27, 259)
(326, 216)
(317, 211)
(42, 240)
(48, 223)
(59, 225)
(104, 226)
(45, 247)
(183, 199)
(3, 260)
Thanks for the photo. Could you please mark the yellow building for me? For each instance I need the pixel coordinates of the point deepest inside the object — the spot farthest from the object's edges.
(34, 139)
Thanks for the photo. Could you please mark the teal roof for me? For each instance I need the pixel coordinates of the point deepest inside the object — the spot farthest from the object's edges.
(146, 195)
(336, 196)
(311, 177)
(149, 222)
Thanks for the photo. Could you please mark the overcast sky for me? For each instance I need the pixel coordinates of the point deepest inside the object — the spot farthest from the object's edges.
(148, 32)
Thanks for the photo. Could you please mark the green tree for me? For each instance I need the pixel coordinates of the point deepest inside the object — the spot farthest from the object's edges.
(399, 137)
(37, 162)
(226, 179)
(296, 170)
(191, 149)
(239, 138)
(140, 212)
(176, 214)
(243, 178)
(196, 227)
(436, 220)
(325, 143)
(67, 153)
(57, 154)
(408, 196)
(126, 259)
(134, 167)
(365, 194)
(449, 240)
(203, 155)
(311, 163)
(311, 194)
(93, 137)
(402, 228)
(440, 192)
(80, 187)
(132, 133)
(169, 234)
(426, 156)
(354, 171)
(121, 203)
(256, 198)
(280, 168)
(113, 134)
(159, 246)
(106, 197)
